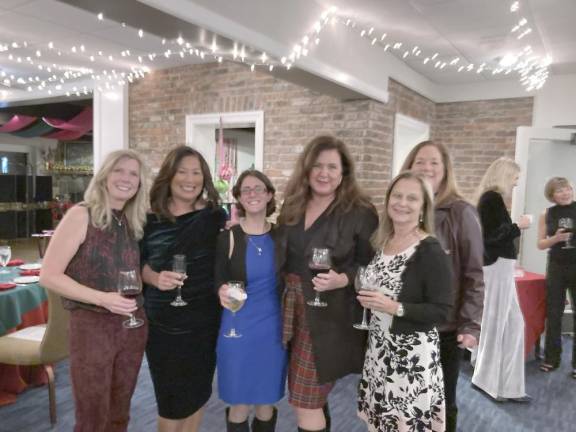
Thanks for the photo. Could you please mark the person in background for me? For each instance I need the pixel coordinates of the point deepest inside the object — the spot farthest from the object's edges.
(499, 369)
(401, 387)
(96, 240)
(252, 368)
(186, 219)
(457, 228)
(323, 208)
(555, 233)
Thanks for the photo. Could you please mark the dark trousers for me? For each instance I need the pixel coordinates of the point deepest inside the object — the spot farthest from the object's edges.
(105, 359)
(450, 357)
(559, 278)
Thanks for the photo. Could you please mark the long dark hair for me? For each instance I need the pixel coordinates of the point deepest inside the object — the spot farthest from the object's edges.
(160, 192)
(297, 192)
(237, 191)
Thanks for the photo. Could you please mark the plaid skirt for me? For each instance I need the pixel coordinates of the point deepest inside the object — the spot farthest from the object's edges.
(305, 391)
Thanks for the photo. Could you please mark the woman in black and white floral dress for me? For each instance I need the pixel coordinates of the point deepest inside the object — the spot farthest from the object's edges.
(401, 387)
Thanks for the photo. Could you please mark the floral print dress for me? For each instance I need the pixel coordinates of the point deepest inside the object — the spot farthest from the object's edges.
(401, 388)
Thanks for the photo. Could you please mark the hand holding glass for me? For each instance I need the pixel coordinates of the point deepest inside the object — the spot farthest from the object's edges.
(179, 266)
(364, 281)
(236, 298)
(567, 224)
(319, 263)
(5, 255)
(129, 287)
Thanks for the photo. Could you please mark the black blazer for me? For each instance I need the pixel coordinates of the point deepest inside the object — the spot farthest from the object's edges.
(234, 268)
(498, 230)
(427, 294)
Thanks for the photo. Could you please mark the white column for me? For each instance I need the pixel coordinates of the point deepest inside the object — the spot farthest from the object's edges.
(110, 123)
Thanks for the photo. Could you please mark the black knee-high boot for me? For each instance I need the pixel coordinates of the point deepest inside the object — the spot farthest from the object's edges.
(236, 427)
(265, 426)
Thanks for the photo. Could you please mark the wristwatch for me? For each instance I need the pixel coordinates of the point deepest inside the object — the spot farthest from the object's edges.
(400, 310)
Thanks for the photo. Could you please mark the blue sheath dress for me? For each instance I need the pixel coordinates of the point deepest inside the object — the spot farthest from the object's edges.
(252, 369)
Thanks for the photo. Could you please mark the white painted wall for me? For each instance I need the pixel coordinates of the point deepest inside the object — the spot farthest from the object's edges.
(110, 123)
(555, 103)
(407, 133)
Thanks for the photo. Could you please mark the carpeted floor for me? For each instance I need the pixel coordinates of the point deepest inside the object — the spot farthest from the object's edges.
(551, 410)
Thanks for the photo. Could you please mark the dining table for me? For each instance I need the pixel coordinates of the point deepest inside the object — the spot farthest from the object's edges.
(22, 306)
(531, 289)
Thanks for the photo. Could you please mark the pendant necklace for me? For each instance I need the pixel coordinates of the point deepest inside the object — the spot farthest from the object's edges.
(118, 221)
(258, 248)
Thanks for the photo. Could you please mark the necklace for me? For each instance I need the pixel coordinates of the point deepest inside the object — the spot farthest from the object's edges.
(258, 248)
(118, 221)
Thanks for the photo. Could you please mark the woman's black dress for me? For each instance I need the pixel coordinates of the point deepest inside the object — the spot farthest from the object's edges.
(181, 348)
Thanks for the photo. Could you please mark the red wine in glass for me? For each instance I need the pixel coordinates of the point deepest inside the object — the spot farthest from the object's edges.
(129, 286)
(319, 263)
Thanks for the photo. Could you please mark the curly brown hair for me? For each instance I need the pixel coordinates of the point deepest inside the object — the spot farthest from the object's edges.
(297, 192)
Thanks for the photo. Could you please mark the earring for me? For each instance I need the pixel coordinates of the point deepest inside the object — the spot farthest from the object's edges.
(421, 218)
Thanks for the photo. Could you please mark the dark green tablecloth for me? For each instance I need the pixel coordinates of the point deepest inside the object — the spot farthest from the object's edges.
(17, 301)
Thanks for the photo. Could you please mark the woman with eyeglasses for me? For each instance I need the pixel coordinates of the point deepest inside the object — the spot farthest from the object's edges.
(252, 365)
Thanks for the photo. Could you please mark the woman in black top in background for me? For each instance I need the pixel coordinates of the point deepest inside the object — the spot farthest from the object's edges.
(555, 235)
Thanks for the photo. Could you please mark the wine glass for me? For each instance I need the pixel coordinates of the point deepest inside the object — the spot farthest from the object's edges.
(567, 224)
(319, 263)
(365, 281)
(5, 255)
(236, 297)
(129, 286)
(179, 266)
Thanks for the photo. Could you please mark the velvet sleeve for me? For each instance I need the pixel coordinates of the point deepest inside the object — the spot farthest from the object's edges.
(497, 226)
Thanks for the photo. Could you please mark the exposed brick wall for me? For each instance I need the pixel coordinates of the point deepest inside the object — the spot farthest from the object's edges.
(477, 132)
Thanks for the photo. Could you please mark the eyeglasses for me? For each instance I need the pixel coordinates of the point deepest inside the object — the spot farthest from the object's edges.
(257, 190)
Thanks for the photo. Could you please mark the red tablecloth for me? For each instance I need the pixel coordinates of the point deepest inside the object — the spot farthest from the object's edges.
(531, 290)
(15, 379)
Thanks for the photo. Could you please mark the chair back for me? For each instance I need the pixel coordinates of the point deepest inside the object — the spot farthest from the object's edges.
(54, 346)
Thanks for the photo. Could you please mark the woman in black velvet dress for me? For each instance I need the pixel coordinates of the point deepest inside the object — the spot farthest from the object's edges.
(181, 349)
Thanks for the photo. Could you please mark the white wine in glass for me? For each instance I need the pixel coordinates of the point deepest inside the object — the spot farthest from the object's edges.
(236, 298)
(319, 263)
(179, 266)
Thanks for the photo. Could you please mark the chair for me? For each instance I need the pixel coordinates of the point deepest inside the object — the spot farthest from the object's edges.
(49, 348)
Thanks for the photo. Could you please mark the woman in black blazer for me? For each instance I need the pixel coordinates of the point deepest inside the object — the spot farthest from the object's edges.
(411, 277)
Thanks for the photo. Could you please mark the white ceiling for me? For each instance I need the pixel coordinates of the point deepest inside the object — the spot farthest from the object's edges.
(476, 31)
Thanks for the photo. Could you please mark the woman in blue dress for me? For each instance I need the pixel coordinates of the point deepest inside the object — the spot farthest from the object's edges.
(251, 368)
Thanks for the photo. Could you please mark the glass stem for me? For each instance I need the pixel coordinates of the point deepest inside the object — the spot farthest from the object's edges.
(364, 317)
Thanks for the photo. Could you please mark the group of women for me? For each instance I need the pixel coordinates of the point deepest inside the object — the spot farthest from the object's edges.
(426, 297)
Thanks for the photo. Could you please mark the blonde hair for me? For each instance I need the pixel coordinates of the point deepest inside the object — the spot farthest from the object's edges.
(297, 191)
(448, 189)
(499, 177)
(553, 185)
(97, 199)
(426, 222)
